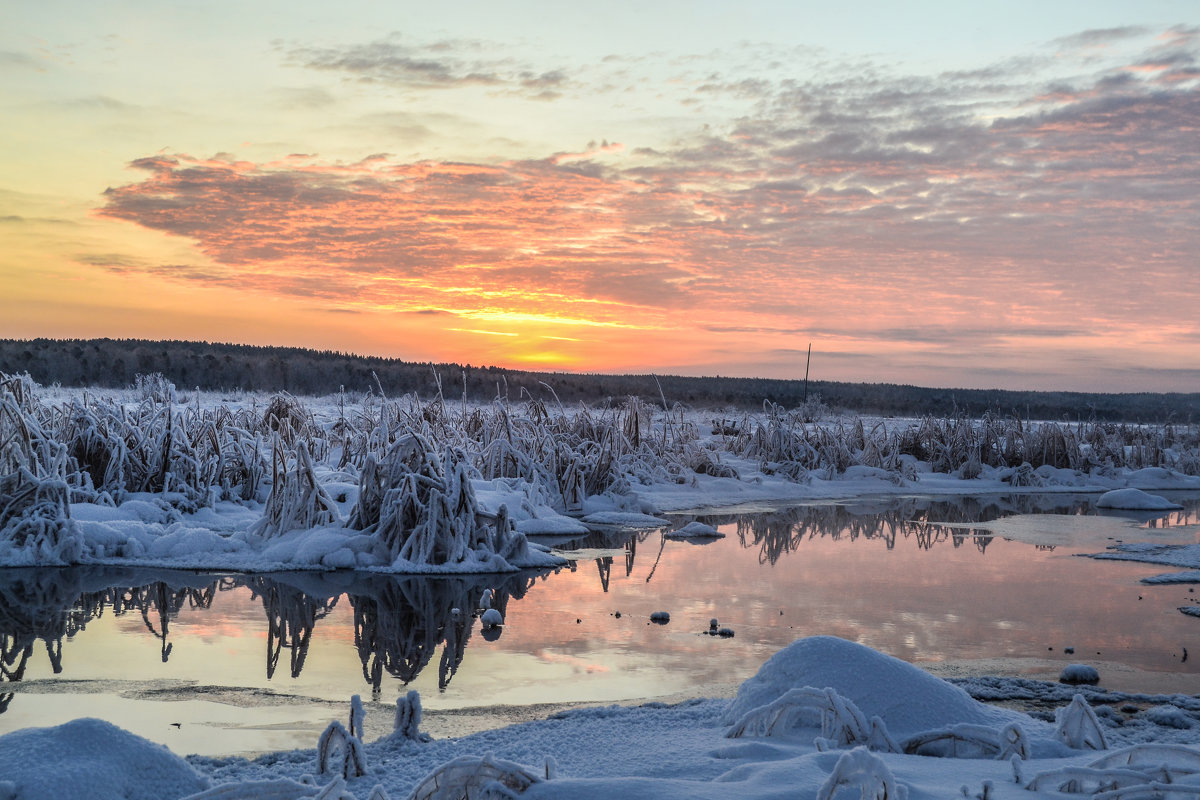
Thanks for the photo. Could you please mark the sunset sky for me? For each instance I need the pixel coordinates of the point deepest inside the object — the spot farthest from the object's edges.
(993, 194)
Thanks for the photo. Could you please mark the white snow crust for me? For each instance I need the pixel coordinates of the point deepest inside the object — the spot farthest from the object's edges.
(1135, 500)
(655, 750)
(695, 530)
(91, 758)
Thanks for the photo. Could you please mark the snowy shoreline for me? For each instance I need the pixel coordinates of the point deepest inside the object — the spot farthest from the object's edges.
(404, 487)
(868, 718)
(411, 487)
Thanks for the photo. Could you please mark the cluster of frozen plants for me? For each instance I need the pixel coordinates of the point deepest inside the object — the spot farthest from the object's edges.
(409, 486)
(878, 728)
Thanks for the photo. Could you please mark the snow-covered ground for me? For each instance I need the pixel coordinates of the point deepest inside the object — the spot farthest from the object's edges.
(258, 484)
(822, 718)
(261, 484)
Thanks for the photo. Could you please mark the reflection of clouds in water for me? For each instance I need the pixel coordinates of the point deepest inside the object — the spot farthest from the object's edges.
(906, 576)
(579, 664)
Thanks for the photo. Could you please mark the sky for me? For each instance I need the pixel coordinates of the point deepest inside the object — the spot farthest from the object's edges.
(979, 195)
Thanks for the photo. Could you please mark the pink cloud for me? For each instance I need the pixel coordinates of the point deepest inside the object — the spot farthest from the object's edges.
(838, 209)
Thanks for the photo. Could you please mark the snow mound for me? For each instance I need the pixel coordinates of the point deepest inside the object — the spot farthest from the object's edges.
(1169, 717)
(696, 530)
(1135, 500)
(906, 698)
(1076, 674)
(108, 761)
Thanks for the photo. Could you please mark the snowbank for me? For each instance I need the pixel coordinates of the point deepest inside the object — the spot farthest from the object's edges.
(1135, 500)
(91, 758)
(657, 751)
(908, 699)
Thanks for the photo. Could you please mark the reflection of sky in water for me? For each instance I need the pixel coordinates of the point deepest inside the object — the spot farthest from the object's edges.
(932, 582)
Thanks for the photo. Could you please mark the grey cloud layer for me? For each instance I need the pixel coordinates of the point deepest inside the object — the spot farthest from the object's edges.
(442, 65)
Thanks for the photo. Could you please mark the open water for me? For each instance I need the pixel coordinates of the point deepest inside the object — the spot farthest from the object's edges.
(231, 663)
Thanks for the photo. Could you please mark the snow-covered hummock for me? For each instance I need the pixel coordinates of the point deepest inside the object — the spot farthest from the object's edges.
(651, 751)
(1079, 673)
(91, 758)
(1135, 500)
(695, 530)
(907, 698)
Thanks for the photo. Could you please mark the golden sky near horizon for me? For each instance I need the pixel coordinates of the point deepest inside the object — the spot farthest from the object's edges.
(983, 195)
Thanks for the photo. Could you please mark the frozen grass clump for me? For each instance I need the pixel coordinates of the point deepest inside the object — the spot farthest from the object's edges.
(35, 482)
(420, 505)
(840, 719)
(1077, 727)
(786, 443)
(297, 501)
(477, 777)
(154, 388)
(860, 768)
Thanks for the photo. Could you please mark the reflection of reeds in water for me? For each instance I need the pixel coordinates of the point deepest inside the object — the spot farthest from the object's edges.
(1189, 515)
(399, 623)
(625, 539)
(926, 522)
(291, 616)
(53, 605)
(162, 602)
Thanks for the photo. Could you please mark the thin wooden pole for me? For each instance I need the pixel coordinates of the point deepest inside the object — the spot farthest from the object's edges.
(806, 366)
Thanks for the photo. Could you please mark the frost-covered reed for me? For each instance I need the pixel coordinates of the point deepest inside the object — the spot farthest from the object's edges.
(788, 445)
(415, 462)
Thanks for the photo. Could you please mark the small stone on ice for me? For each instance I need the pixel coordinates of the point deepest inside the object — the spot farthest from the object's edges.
(660, 617)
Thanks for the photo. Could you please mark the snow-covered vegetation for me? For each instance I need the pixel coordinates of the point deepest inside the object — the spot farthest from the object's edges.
(152, 477)
(405, 485)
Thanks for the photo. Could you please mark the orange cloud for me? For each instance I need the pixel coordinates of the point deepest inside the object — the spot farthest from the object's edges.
(891, 220)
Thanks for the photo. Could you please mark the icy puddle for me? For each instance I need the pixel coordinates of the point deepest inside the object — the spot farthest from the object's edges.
(222, 664)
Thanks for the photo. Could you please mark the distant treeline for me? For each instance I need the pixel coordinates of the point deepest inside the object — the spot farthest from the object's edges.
(114, 363)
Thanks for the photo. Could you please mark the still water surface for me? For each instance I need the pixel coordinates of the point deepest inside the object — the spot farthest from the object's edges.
(223, 664)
